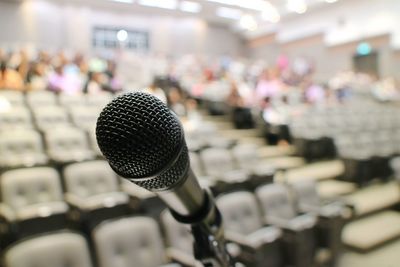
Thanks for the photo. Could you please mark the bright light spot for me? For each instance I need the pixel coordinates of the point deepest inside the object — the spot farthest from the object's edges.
(122, 35)
(123, 1)
(191, 7)
(167, 4)
(229, 13)
(364, 49)
(248, 22)
(298, 6)
(248, 4)
(330, 1)
(5, 105)
(270, 13)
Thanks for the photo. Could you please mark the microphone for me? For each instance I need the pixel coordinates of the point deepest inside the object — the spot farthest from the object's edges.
(144, 142)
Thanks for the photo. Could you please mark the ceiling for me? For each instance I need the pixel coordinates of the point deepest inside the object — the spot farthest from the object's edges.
(208, 9)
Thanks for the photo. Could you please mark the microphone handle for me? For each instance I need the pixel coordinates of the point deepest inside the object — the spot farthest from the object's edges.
(209, 242)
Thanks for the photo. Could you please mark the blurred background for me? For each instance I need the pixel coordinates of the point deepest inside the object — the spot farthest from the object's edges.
(291, 115)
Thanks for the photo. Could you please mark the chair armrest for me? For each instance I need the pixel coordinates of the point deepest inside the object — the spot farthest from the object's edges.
(7, 213)
(182, 258)
(42, 210)
(74, 200)
(264, 235)
(106, 200)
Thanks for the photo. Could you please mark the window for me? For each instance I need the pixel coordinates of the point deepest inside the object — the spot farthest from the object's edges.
(104, 37)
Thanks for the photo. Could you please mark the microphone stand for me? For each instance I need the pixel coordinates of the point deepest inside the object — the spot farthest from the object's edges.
(209, 243)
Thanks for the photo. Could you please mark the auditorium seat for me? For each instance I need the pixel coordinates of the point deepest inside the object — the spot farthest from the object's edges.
(67, 144)
(130, 242)
(92, 187)
(93, 143)
(21, 148)
(30, 196)
(14, 98)
(195, 164)
(50, 117)
(15, 118)
(332, 215)
(49, 250)
(98, 101)
(259, 244)
(84, 117)
(41, 99)
(298, 229)
(178, 239)
(70, 101)
(220, 167)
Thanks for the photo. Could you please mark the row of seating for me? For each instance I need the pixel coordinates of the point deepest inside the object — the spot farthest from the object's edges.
(47, 98)
(48, 117)
(61, 145)
(281, 237)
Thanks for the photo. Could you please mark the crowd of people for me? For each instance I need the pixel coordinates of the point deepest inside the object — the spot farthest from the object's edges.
(243, 84)
(58, 73)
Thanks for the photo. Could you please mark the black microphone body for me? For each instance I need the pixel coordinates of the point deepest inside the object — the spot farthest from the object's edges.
(143, 141)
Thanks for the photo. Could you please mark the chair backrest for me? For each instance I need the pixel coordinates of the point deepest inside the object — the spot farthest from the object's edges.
(217, 161)
(50, 117)
(41, 98)
(15, 118)
(84, 117)
(129, 242)
(90, 178)
(99, 100)
(275, 201)
(240, 212)
(20, 142)
(178, 235)
(306, 193)
(30, 186)
(50, 250)
(71, 101)
(66, 139)
(195, 163)
(246, 155)
(13, 98)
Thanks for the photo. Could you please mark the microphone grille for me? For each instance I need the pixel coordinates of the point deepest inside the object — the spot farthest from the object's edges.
(140, 136)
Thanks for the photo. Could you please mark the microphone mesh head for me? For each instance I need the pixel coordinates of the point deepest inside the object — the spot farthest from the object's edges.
(141, 138)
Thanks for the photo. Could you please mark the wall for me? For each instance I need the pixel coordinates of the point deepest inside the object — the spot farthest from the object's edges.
(329, 35)
(66, 25)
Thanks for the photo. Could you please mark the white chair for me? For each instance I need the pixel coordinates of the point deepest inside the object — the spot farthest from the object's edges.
(243, 226)
(12, 98)
(50, 250)
(21, 148)
(67, 144)
(15, 118)
(41, 98)
(299, 229)
(129, 242)
(92, 185)
(31, 193)
(50, 117)
(84, 117)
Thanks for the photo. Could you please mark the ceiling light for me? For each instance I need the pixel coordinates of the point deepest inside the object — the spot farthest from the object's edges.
(122, 35)
(247, 22)
(270, 13)
(229, 13)
(191, 7)
(298, 6)
(167, 4)
(123, 1)
(248, 4)
(330, 1)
